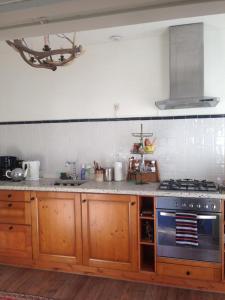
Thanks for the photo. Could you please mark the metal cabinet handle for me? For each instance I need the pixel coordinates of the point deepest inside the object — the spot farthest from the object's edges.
(10, 205)
(10, 227)
(199, 217)
(133, 203)
(9, 195)
(84, 200)
(32, 198)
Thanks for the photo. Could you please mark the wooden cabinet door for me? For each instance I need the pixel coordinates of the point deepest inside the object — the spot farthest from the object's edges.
(15, 240)
(57, 227)
(109, 228)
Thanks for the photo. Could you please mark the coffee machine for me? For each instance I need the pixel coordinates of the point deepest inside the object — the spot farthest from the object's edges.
(7, 163)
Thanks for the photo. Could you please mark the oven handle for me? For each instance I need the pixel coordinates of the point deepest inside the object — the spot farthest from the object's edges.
(199, 217)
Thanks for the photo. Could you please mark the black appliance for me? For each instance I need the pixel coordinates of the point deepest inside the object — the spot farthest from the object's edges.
(208, 213)
(188, 185)
(7, 163)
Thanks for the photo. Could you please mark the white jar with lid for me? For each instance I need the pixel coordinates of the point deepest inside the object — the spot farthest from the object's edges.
(118, 171)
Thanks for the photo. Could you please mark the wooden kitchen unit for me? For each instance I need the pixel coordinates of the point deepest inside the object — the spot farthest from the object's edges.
(56, 227)
(109, 231)
(15, 227)
(105, 235)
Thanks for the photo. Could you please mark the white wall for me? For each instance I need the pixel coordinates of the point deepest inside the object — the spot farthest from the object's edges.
(133, 73)
(185, 148)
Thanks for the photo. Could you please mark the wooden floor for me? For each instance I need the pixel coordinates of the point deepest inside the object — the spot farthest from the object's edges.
(68, 286)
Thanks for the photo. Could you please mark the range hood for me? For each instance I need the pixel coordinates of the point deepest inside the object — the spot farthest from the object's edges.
(187, 69)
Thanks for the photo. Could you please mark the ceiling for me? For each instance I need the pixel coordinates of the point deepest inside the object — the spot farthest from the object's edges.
(99, 36)
(22, 18)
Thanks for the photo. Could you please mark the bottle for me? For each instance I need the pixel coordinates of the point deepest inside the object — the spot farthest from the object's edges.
(82, 172)
(87, 172)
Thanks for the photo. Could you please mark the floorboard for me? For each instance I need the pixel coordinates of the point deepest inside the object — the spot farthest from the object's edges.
(63, 286)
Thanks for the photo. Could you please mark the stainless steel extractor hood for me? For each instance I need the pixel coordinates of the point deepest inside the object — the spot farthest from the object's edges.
(187, 69)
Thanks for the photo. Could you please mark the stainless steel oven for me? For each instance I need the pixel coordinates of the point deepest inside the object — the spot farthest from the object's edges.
(208, 216)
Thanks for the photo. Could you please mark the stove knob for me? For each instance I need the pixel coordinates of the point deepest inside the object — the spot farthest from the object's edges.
(214, 206)
(184, 205)
(206, 206)
(191, 205)
(198, 205)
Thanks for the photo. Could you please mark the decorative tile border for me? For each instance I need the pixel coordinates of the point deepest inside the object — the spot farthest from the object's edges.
(114, 119)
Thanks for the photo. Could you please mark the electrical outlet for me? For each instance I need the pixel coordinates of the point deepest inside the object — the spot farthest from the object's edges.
(116, 108)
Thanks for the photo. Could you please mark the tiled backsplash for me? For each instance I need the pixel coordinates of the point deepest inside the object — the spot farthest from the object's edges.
(185, 148)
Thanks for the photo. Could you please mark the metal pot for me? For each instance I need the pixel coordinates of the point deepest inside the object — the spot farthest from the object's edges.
(109, 174)
(17, 174)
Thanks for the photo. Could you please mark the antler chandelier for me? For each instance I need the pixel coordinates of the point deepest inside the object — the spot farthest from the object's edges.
(47, 58)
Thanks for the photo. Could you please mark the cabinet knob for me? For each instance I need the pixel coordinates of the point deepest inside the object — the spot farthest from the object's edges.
(188, 273)
(9, 195)
(133, 203)
(84, 200)
(9, 204)
(32, 198)
(10, 227)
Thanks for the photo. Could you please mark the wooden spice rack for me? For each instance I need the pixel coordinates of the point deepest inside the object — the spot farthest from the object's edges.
(147, 233)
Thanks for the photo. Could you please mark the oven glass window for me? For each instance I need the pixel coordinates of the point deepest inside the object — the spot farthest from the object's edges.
(208, 238)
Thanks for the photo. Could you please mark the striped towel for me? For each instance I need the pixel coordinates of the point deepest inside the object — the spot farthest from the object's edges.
(186, 229)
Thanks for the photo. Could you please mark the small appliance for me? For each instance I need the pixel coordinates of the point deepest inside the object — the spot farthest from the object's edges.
(7, 163)
(33, 168)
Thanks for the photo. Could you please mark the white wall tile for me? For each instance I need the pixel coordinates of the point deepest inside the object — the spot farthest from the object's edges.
(193, 148)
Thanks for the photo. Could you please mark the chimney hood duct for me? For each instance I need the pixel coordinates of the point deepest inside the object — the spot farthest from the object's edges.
(187, 69)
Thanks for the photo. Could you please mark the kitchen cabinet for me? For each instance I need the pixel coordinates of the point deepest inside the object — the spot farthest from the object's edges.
(191, 270)
(57, 227)
(21, 196)
(15, 241)
(15, 224)
(109, 230)
(100, 234)
(15, 212)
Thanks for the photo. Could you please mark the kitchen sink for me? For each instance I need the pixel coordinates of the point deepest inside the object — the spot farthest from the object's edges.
(69, 182)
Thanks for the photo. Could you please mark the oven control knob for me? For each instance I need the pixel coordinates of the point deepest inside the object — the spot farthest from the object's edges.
(213, 206)
(206, 206)
(198, 205)
(191, 205)
(184, 205)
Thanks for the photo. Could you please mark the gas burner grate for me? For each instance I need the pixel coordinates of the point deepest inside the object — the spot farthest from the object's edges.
(188, 185)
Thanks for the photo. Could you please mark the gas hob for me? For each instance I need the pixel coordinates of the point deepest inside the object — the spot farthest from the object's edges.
(188, 185)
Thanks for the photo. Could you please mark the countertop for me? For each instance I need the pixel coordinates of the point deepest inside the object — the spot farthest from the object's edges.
(129, 188)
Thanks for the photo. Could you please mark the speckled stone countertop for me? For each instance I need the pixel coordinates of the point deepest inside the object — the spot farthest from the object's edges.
(123, 187)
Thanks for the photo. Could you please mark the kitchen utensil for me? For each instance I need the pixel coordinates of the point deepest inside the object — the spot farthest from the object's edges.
(108, 174)
(17, 174)
(33, 169)
(99, 175)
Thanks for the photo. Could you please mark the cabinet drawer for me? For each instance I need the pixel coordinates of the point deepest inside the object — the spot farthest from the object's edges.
(189, 272)
(7, 195)
(15, 212)
(15, 240)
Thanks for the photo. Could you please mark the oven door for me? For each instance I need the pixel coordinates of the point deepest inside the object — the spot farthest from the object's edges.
(208, 237)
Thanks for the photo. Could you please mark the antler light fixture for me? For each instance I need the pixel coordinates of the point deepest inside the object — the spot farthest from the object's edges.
(47, 58)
